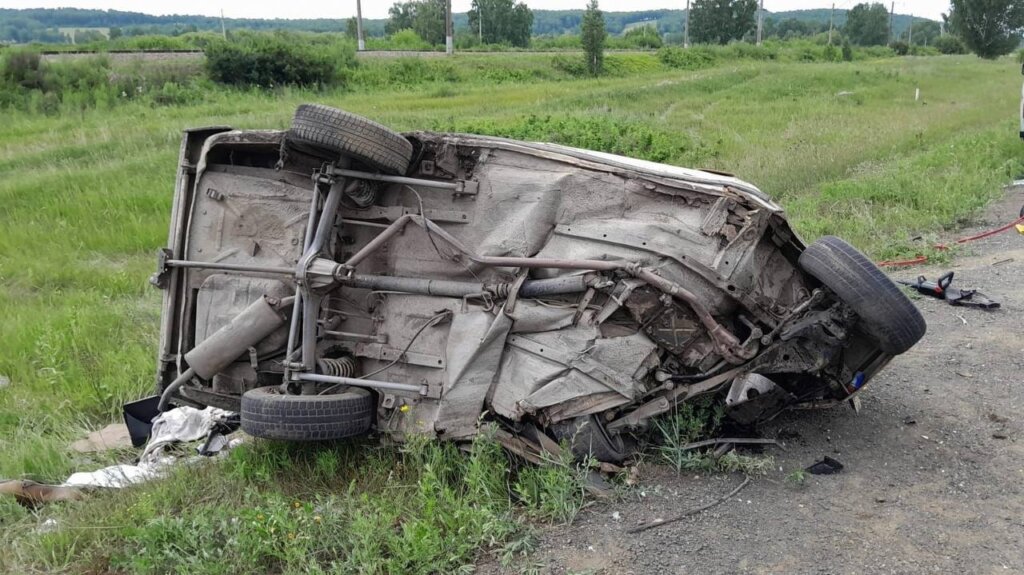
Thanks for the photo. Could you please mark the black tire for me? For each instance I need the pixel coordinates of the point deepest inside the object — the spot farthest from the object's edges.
(346, 134)
(588, 437)
(886, 313)
(268, 414)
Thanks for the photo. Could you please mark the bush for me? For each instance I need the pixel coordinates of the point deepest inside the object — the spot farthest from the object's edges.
(924, 51)
(686, 58)
(407, 40)
(847, 51)
(267, 60)
(572, 65)
(637, 38)
(900, 48)
(949, 45)
(23, 68)
(563, 42)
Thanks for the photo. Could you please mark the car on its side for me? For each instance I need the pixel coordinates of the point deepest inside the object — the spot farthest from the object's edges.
(339, 278)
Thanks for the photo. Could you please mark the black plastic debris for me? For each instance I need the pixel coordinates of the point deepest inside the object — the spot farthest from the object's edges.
(138, 418)
(827, 466)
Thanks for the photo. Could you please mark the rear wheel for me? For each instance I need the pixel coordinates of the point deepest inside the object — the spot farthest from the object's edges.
(588, 437)
(340, 132)
(887, 314)
(269, 414)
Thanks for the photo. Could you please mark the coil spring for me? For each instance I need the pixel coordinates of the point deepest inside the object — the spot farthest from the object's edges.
(337, 367)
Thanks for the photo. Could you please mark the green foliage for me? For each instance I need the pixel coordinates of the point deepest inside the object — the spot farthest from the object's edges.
(22, 67)
(798, 477)
(686, 58)
(721, 21)
(867, 24)
(847, 51)
(561, 42)
(267, 60)
(347, 508)
(922, 33)
(406, 39)
(504, 22)
(644, 37)
(593, 38)
(425, 17)
(554, 491)
(590, 132)
(694, 421)
(950, 44)
(990, 28)
(900, 48)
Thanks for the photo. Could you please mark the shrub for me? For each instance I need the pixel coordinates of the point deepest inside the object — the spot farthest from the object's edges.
(949, 45)
(686, 58)
(23, 68)
(900, 48)
(924, 51)
(832, 54)
(847, 51)
(572, 65)
(408, 40)
(277, 59)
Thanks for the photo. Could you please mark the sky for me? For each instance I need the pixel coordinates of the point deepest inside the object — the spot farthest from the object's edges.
(379, 8)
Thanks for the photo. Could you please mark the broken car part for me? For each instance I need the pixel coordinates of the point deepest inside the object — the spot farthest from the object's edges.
(941, 290)
(338, 278)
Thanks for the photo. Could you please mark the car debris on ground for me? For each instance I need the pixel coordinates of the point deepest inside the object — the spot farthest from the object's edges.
(339, 278)
(827, 466)
(941, 289)
(180, 425)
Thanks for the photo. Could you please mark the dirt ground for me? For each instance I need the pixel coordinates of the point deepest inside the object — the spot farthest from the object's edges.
(934, 476)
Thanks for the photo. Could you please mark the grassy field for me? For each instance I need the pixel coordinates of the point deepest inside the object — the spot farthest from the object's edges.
(84, 201)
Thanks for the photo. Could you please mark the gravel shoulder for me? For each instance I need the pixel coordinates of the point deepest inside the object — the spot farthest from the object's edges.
(934, 477)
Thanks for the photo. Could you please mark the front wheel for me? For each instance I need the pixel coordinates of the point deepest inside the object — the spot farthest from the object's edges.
(269, 414)
(888, 315)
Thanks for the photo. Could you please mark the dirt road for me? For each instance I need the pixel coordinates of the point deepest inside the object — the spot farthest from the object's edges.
(934, 478)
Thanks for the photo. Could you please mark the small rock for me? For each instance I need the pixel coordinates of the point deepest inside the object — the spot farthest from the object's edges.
(4, 381)
(617, 516)
(999, 436)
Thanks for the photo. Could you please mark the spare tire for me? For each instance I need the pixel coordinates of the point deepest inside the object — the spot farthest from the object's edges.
(269, 414)
(346, 134)
(888, 315)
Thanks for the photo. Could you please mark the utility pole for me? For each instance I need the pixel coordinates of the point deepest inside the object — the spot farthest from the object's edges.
(686, 27)
(359, 25)
(223, 29)
(892, 9)
(910, 32)
(480, 19)
(831, 19)
(760, 21)
(449, 40)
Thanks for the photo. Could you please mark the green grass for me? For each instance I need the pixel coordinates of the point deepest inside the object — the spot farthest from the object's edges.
(84, 201)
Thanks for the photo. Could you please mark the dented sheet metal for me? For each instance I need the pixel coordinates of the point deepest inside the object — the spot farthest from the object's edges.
(529, 283)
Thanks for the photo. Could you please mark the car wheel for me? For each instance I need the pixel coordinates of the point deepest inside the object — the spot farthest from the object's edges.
(588, 437)
(346, 134)
(887, 314)
(269, 414)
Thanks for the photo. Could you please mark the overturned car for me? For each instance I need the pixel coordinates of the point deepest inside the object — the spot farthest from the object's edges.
(338, 278)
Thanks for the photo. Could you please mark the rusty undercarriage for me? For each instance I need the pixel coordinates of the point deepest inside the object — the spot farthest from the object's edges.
(338, 278)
